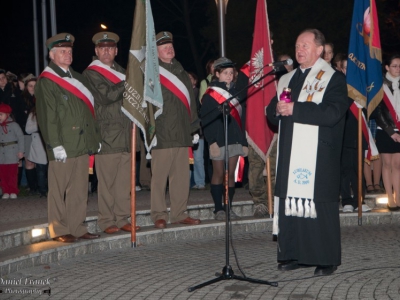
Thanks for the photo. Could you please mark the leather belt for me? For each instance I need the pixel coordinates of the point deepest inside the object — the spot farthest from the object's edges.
(8, 143)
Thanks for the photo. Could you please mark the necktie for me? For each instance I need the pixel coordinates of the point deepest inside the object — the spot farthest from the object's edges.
(69, 74)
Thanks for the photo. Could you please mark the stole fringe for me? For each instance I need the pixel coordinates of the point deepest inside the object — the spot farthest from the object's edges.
(303, 211)
(307, 208)
(293, 206)
(300, 209)
(288, 212)
(313, 211)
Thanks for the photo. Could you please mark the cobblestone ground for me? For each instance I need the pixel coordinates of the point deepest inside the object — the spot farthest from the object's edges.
(370, 270)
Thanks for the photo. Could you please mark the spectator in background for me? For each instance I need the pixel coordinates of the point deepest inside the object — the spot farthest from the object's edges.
(282, 57)
(349, 159)
(387, 116)
(373, 170)
(203, 87)
(9, 94)
(27, 104)
(37, 153)
(11, 151)
(198, 173)
(328, 53)
(338, 62)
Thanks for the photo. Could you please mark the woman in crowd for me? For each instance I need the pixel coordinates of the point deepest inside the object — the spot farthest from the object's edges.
(328, 53)
(28, 102)
(387, 116)
(37, 153)
(221, 88)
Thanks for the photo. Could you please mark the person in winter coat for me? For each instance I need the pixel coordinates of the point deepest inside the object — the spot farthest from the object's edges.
(11, 151)
(220, 89)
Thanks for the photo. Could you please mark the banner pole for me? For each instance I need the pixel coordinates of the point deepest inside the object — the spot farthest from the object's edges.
(360, 161)
(269, 186)
(133, 186)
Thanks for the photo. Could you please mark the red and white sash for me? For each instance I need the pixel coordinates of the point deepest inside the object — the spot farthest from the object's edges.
(220, 95)
(389, 99)
(72, 85)
(372, 152)
(109, 73)
(175, 86)
(179, 89)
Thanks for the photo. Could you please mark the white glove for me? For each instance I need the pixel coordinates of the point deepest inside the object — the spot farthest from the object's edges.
(99, 148)
(60, 154)
(195, 139)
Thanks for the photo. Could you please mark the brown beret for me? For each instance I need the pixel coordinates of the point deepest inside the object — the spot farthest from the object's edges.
(60, 40)
(164, 37)
(105, 39)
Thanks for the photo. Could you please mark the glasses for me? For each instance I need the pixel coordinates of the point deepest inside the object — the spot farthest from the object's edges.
(395, 66)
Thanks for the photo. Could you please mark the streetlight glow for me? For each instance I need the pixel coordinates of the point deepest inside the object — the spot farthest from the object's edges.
(103, 26)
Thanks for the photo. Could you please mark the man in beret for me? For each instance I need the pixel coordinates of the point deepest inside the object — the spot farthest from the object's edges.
(174, 129)
(113, 163)
(65, 115)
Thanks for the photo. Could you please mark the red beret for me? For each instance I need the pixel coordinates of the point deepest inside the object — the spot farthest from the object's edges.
(4, 108)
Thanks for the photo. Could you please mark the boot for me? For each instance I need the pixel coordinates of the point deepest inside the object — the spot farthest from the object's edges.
(216, 193)
(32, 180)
(231, 193)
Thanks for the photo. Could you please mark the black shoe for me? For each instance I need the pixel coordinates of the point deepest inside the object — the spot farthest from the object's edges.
(393, 208)
(324, 270)
(288, 266)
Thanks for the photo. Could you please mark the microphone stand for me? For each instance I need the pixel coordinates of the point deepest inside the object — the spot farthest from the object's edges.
(227, 272)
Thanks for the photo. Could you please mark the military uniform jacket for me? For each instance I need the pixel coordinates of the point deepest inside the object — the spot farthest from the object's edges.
(64, 119)
(115, 126)
(174, 127)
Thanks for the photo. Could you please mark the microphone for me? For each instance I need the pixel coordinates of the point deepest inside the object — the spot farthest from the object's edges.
(288, 61)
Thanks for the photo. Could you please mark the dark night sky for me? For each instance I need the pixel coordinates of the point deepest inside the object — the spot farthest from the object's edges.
(82, 18)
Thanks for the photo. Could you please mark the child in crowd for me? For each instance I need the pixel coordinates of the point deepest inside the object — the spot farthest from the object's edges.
(11, 151)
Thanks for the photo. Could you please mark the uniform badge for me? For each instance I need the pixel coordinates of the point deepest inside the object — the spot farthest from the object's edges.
(105, 36)
(67, 37)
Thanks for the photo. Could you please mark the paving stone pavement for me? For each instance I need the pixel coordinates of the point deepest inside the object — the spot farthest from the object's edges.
(370, 270)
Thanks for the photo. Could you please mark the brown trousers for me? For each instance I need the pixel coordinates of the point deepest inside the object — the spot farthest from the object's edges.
(68, 196)
(172, 164)
(114, 176)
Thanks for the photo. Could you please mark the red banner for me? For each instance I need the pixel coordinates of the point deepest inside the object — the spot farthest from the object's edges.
(259, 134)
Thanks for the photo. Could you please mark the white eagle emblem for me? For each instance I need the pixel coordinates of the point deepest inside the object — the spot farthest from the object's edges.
(257, 62)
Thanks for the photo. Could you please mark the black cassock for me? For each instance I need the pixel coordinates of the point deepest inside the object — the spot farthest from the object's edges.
(313, 241)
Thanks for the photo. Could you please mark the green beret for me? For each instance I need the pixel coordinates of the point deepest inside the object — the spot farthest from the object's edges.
(60, 40)
(164, 37)
(104, 38)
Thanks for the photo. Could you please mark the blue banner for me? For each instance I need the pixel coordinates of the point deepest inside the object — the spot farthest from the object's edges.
(364, 70)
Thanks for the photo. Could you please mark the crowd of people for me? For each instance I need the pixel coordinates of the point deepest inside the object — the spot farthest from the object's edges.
(55, 128)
